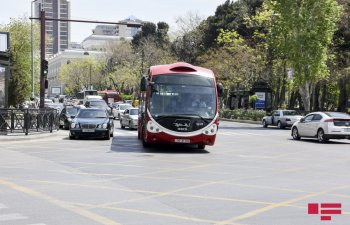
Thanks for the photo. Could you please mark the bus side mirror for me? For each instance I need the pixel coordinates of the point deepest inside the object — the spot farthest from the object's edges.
(143, 85)
(220, 89)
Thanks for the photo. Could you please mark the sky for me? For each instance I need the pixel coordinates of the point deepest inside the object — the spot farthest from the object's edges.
(116, 10)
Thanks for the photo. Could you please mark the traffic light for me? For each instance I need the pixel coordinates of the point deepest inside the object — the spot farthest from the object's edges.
(45, 68)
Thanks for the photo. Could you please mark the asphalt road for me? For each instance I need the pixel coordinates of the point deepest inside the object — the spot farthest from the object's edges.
(252, 176)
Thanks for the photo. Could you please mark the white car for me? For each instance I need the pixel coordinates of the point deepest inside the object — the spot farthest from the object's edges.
(129, 118)
(119, 110)
(323, 126)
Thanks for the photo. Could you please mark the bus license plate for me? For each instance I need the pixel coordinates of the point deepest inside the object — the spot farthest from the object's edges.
(88, 130)
(183, 141)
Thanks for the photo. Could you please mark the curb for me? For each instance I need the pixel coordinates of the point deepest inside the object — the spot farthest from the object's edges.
(240, 121)
(30, 136)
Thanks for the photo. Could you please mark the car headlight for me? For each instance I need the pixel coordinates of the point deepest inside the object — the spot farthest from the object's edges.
(72, 125)
(69, 119)
(152, 127)
(211, 130)
(104, 125)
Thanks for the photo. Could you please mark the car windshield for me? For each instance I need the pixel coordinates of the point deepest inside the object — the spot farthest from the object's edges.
(291, 113)
(338, 115)
(72, 111)
(92, 114)
(98, 103)
(183, 94)
(126, 106)
(134, 111)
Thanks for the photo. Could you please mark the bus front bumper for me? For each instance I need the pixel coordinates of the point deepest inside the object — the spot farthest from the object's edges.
(167, 138)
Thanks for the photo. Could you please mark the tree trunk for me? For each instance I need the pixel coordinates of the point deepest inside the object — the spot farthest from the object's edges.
(305, 93)
(282, 97)
(342, 95)
(323, 96)
(315, 96)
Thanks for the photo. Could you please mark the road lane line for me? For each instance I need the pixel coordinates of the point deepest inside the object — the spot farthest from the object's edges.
(80, 211)
(277, 205)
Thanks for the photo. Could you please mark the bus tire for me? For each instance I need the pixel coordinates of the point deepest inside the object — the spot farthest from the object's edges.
(201, 146)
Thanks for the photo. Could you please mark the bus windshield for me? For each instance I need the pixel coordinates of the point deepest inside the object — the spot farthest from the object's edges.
(183, 94)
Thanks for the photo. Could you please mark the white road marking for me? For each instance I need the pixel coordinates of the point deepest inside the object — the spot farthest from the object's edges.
(12, 216)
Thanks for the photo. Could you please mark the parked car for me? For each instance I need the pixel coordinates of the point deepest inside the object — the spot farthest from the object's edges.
(99, 104)
(92, 122)
(129, 118)
(323, 126)
(119, 110)
(281, 118)
(56, 106)
(67, 114)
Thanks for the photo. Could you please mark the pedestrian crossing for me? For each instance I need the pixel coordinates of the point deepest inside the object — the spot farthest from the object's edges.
(13, 218)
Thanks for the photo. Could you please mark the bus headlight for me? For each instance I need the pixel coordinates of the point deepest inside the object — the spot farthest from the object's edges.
(211, 130)
(152, 127)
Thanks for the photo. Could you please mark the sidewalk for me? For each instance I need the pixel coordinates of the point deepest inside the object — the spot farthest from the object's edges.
(30, 136)
(240, 121)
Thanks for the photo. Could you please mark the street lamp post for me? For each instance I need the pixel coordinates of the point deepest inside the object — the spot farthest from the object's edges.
(32, 42)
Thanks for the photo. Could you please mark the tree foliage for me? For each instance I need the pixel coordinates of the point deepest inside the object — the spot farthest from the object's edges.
(20, 43)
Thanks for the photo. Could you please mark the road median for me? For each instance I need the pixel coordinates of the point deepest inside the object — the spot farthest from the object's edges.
(240, 121)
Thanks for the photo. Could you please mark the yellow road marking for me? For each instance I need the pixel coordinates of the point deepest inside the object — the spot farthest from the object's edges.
(276, 205)
(83, 212)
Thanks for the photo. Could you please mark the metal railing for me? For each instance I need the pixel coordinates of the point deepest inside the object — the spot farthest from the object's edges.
(28, 120)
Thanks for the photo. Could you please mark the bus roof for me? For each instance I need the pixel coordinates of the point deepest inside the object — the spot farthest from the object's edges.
(180, 67)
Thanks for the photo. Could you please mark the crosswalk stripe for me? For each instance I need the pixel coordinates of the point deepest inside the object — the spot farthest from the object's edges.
(12, 216)
(2, 206)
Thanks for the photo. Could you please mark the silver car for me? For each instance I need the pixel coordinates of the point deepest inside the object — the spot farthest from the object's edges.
(323, 126)
(129, 118)
(119, 110)
(281, 118)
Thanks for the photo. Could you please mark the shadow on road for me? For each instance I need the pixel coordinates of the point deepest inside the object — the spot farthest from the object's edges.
(258, 127)
(315, 141)
(132, 144)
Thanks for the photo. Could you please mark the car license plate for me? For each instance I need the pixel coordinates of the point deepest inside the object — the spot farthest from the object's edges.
(183, 141)
(88, 130)
(346, 129)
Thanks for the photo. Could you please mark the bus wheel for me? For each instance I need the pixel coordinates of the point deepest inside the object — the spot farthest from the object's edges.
(201, 146)
(144, 143)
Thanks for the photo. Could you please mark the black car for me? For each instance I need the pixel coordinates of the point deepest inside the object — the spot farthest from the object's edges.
(67, 114)
(92, 122)
(99, 104)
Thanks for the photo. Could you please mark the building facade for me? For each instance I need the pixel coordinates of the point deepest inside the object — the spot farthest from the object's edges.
(58, 33)
(62, 58)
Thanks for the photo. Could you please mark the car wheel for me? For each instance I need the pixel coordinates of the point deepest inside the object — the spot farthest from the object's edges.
(295, 134)
(71, 136)
(112, 133)
(279, 125)
(144, 143)
(121, 125)
(107, 136)
(201, 146)
(130, 127)
(264, 123)
(321, 136)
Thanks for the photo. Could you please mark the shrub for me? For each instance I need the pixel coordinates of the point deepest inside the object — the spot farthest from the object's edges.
(242, 114)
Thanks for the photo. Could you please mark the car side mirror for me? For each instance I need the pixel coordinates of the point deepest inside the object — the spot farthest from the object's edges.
(220, 89)
(111, 117)
(302, 120)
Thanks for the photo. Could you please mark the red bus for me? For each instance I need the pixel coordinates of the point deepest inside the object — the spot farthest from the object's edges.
(178, 104)
(110, 96)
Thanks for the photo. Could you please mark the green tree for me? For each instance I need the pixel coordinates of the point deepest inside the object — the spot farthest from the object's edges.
(20, 44)
(81, 73)
(305, 29)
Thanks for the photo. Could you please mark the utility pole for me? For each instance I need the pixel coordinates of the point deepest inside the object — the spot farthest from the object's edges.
(42, 58)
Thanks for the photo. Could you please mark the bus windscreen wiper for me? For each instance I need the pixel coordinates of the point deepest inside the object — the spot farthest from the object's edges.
(207, 120)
